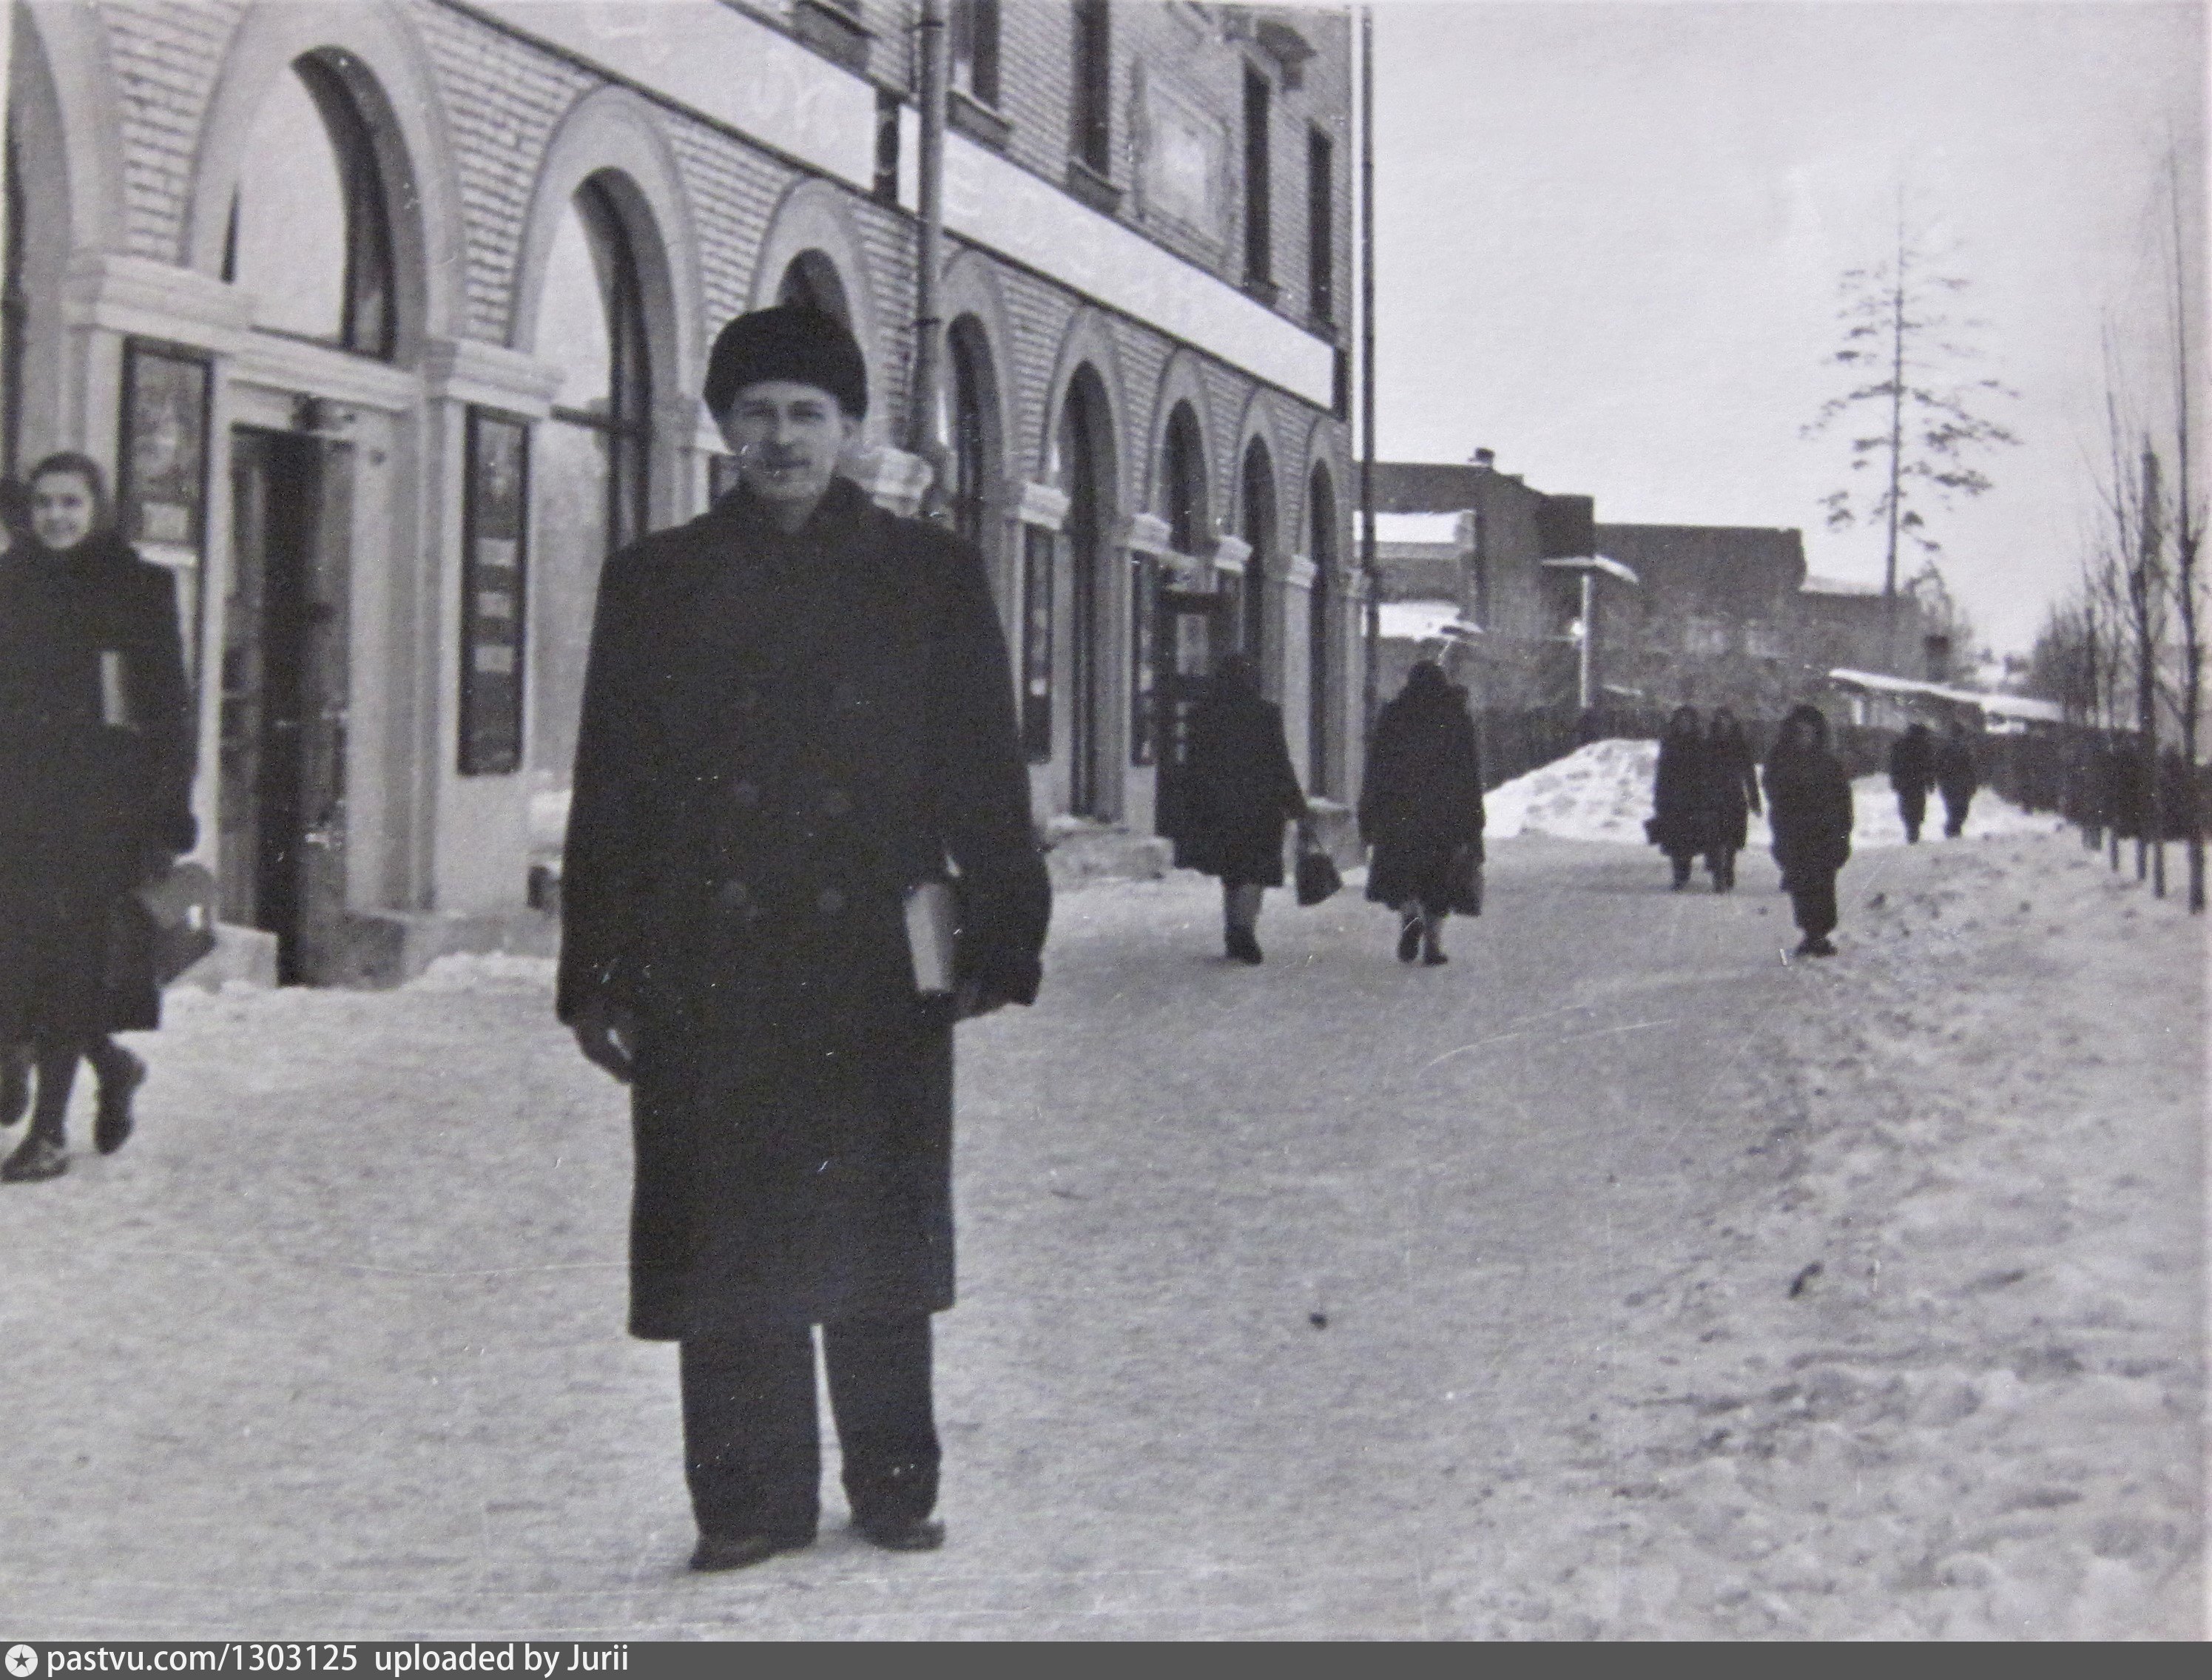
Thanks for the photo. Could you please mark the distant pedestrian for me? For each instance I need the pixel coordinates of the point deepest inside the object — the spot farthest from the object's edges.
(1912, 773)
(1678, 825)
(96, 758)
(1731, 796)
(1809, 807)
(1957, 776)
(1242, 792)
(1421, 808)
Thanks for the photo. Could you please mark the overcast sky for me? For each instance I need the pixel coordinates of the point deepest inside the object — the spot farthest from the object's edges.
(1610, 236)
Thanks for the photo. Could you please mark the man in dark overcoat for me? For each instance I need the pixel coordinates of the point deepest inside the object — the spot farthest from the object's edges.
(797, 709)
(1912, 773)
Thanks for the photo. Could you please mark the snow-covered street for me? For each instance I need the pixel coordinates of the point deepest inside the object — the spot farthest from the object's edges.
(1619, 1279)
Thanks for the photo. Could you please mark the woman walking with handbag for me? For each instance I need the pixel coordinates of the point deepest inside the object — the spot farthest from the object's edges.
(1242, 792)
(96, 761)
(1421, 808)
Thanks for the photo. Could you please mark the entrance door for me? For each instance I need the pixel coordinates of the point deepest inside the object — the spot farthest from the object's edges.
(1183, 653)
(281, 852)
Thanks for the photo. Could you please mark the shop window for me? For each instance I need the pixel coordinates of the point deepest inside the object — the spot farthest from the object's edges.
(812, 280)
(971, 473)
(1321, 548)
(1144, 621)
(309, 234)
(1037, 545)
(496, 500)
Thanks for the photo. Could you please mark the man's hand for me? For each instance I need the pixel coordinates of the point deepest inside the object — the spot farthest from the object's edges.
(607, 1034)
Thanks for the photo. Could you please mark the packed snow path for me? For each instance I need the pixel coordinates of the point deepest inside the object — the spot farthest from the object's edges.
(1616, 1279)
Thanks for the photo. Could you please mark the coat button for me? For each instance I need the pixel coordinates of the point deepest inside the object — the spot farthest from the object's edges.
(746, 796)
(732, 898)
(829, 901)
(836, 801)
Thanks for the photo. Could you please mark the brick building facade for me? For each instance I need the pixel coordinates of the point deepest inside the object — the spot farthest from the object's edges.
(393, 314)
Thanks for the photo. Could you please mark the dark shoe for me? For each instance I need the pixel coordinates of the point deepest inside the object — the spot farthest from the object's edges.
(1821, 947)
(1409, 941)
(1433, 958)
(15, 1086)
(913, 1534)
(36, 1157)
(742, 1551)
(1244, 947)
(110, 1125)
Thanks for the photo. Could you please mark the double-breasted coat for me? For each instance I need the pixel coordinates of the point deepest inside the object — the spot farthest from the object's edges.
(782, 733)
(96, 758)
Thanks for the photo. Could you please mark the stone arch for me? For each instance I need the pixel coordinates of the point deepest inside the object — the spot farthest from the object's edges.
(971, 293)
(373, 52)
(1319, 461)
(1088, 342)
(814, 217)
(610, 137)
(1258, 426)
(63, 103)
(1182, 383)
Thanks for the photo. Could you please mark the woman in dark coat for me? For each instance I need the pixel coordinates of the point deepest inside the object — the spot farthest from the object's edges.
(1912, 773)
(1678, 825)
(1420, 807)
(96, 755)
(1957, 777)
(1242, 792)
(1731, 796)
(1808, 806)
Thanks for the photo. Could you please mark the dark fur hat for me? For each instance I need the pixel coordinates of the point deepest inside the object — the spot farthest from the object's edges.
(789, 341)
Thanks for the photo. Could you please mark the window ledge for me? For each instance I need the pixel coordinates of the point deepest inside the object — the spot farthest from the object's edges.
(1262, 291)
(1092, 188)
(832, 30)
(975, 119)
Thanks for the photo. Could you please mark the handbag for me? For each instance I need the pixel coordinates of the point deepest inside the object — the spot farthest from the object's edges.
(181, 905)
(1318, 879)
(1466, 881)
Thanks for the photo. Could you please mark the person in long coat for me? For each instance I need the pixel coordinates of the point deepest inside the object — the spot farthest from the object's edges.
(1731, 796)
(1242, 792)
(1957, 776)
(1912, 773)
(1678, 824)
(96, 761)
(798, 710)
(1420, 807)
(1809, 807)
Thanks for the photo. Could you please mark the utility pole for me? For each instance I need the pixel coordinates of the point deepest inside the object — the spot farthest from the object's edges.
(925, 401)
(1370, 569)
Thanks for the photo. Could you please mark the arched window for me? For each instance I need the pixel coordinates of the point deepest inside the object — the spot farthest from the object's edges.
(973, 444)
(1259, 531)
(1085, 451)
(1321, 548)
(1183, 475)
(812, 280)
(589, 478)
(310, 234)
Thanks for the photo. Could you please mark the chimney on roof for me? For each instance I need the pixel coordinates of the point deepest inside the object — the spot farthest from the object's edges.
(1487, 457)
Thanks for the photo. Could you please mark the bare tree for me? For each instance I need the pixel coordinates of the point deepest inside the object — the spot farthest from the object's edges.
(1907, 356)
(2187, 517)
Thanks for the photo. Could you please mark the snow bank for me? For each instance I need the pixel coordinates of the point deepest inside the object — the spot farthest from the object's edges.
(1946, 1377)
(1602, 791)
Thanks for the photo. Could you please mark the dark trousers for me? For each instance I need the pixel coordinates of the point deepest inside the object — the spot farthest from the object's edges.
(1912, 808)
(1813, 896)
(1955, 811)
(752, 1452)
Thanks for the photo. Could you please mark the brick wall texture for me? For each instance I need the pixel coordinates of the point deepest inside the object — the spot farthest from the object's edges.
(502, 97)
